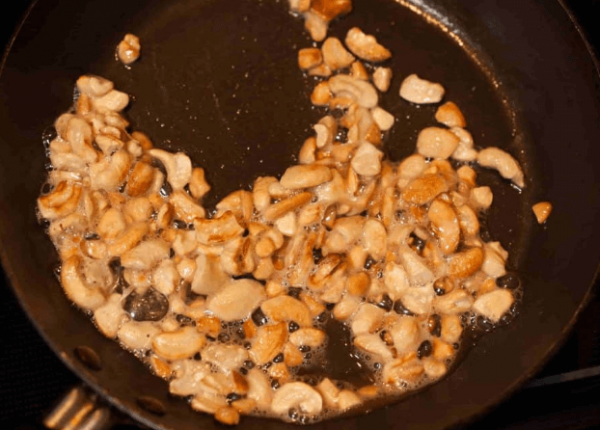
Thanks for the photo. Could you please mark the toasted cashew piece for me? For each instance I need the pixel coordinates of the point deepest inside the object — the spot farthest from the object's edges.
(367, 160)
(309, 58)
(286, 308)
(179, 167)
(179, 344)
(335, 55)
(137, 335)
(504, 163)
(542, 211)
(62, 201)
(76, 288)
(146, 255)
(436, 142)
(198, 185)
(444, 223)
(268, 342)
(297, 395)
(464, 151)
(315, 25)
(128, 49)
(382, 78)
(111, 172)
(421, 91)
(218, 230)
(297, 177)
(330, 9)
(450, 115)
(113, 101)
(494, 304)
(373, 344)
(307, 336)
(366, 46)
(94, 86)
(361, 92)
(236, 300)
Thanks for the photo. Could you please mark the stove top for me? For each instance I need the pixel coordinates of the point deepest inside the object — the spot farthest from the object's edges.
(564, 395)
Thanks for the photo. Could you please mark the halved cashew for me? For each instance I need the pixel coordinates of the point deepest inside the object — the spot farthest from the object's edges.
(146, 255)
(335, 55)
(227, 415)
(225, 357)
(79, 135)
(179, 167)
(218, 230)
(330, 9)
(268, 342)
(260, 192)
(236, 300)
(76, 288)
(137, 335)
(494, 304)
(113, 101)
(405, 334)
(395, 279)
(138, 209)
(198, 185)
(366, 46)
(286, 308)
(321, 94)
(186, 209)
(62, 201)
(299, 5)
(305, 176)
(209, 276)
(165, 277)
(464, 151)
(358, 71)
(367, 160)
(382, 118)
(287, 224)
(94, 86)
(418, 300)
(453, 303)
(128, 49)
(374, 238)
(421, 91)
(344, 233)
(367, 319)
(406, 368)
(140, 179)
(373, 344)
(466, 263)
(179, 344)
(482, 197)
(308, 337)
(450, 115)
(128, 240)
(444, 223)
(451, 328)
(361, 92)
(435, 142)
(346, 307)
(309, 58)
(111, 172)
(503, 162)
(109, 144)
(329, 392)
(416, 268)
(297, 395)
(316, 26)
(382, 78)
(424, 189)
(282, 207)
(259, 388)
(494, 260)
(109, 316)
(325, 129)
(208, 402)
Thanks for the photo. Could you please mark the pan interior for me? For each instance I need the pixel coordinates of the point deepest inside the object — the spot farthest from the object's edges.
(221, 83)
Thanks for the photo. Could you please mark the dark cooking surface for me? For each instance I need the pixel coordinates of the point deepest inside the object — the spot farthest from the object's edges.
(31, 377)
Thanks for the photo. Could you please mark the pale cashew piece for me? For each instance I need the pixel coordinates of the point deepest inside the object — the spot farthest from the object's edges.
(179, 344)
(503, 162)
(421, 91)
(297, 177)
(382, 78)
(286, 308)
(146, 255)
(94, 86)
(450, 115)
(366, 46)
(76, 288)
(494, 304)
(464, 151)
(382, 118)
(335, 55)
(361, 92)
(435, 142)
(179, 167)
(297, 395)
(236, 300)
(367, 160)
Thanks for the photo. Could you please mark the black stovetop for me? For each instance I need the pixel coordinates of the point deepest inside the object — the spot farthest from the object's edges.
(564, 395)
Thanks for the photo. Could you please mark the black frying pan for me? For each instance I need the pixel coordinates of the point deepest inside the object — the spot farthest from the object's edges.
(518, 69)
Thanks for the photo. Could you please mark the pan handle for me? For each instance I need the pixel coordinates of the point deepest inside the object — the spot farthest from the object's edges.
(79, 409)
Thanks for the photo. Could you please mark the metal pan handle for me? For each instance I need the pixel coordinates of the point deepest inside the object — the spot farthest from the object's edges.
(79, 409)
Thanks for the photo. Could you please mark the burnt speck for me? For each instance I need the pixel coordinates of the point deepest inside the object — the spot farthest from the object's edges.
(183, 319)
(166, 190)
(278, 358)
(377, 366)
(91, 236)
(249, 364)
(293, 326)
(330, 306)
(149, 306)
(484, 324)
(275, 384)
(425, 349)
(400, 309)
(223, 337)
(293, 414)
(247, 345)
(386, 303)
(304, 348)
(370, 262)
(243, 371)
(509, 281)
(197, 356)
(258, 317)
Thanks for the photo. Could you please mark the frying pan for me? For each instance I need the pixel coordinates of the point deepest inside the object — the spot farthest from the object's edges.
(219, 80)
